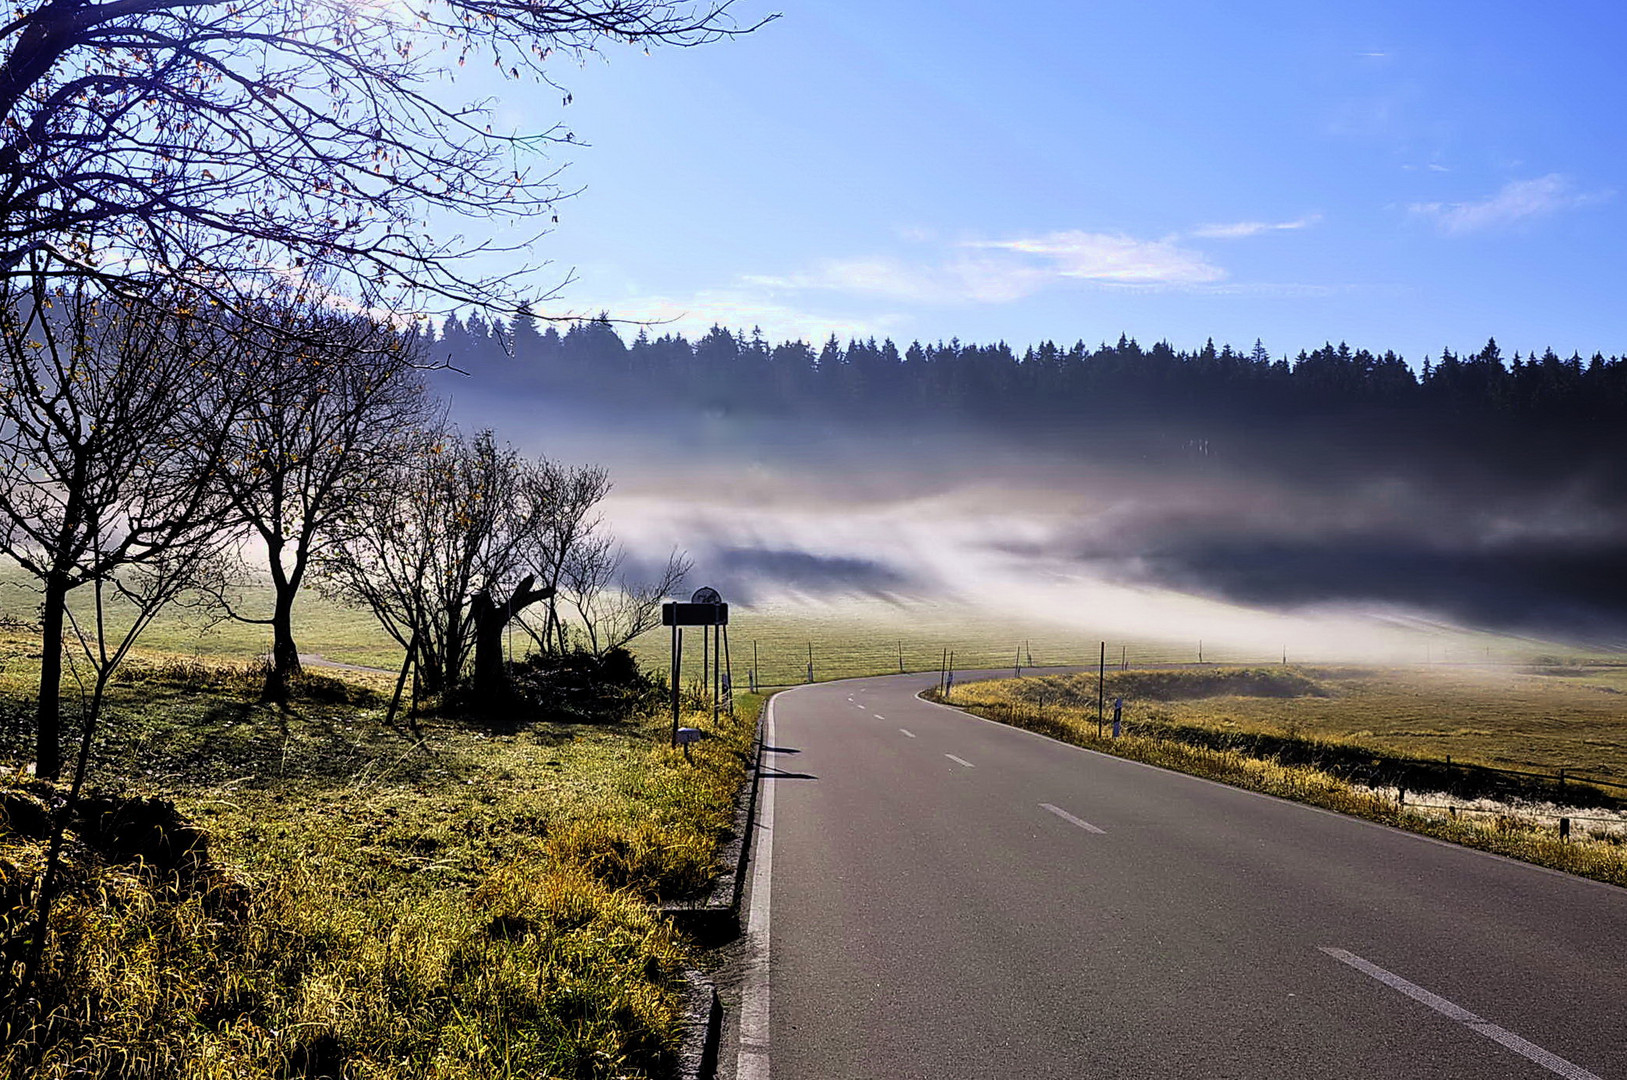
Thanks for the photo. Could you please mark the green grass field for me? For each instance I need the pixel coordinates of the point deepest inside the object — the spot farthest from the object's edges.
(1543, 719)
(848, 637)
(440, 899)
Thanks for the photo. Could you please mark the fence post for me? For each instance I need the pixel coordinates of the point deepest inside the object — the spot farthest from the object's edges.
(1564, 828)
(1101, 683)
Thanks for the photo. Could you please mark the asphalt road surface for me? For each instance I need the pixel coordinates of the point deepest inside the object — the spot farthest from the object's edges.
(934, 895)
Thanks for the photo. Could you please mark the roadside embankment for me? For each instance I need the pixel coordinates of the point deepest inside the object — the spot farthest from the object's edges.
(1339, 776)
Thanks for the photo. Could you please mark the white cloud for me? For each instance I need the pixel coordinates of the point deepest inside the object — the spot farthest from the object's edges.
(1113, 258)
(961, 279)
(742, 310)
(1519, 200)
(1241, 229)
(1002, 271)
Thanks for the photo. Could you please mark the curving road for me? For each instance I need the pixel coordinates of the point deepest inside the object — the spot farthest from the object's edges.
(934, 895)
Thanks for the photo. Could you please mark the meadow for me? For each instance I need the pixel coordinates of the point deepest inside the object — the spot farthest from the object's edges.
(1540, 719)
(847, 636)
(424, 898)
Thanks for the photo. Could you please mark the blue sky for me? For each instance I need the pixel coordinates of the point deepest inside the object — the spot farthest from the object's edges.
(1404, 176)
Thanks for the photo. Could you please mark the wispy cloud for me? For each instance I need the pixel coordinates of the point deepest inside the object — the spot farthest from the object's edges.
(1002, 271)
(1517, 201)
(1240, 229)
(959, 279)
(1010, 269)
(743, 309)
(1114, 258)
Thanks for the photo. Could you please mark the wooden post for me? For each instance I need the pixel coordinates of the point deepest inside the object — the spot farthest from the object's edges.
(901, 658)
(1200, 650)
(1124, 658)
(755, 677)
(728, 671)
(1564, 828)
(1101, 689)
(810, 661)
(677, 668)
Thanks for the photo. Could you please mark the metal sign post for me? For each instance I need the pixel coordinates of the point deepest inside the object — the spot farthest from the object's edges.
(706, 610)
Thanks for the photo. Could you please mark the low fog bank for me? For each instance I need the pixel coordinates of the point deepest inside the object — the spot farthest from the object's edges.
(1254, 537)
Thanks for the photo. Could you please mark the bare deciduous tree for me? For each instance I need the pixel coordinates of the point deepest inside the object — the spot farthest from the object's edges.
(612, 609)
(112, 431)
(329, 400)
(237, 142)
(447, 551)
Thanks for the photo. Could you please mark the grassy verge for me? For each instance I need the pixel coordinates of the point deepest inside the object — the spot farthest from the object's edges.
(1541, 718)
(1602, 857)
(368, 901)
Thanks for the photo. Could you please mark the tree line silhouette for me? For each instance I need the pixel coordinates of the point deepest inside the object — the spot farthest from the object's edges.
(1046, 387)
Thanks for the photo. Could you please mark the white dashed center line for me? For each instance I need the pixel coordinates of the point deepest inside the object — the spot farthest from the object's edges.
(878, 716)
(1070, 819)
(907, 732)
(960, 761)
(1530, 1051)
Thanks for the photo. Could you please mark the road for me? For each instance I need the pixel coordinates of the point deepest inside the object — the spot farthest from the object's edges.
(935, 895)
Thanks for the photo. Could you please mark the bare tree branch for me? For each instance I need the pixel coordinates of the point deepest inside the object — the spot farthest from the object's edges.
(238, 142)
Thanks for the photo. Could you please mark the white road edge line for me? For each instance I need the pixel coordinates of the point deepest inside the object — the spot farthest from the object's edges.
(960, 761)
(752, 1064)
(1065, 816)
(1530, 1051)
(907, 732)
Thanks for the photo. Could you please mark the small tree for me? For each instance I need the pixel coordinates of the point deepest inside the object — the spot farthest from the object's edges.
(573, 522)
(329, 400)
(451, 546)
(612, 609)
(112, 435)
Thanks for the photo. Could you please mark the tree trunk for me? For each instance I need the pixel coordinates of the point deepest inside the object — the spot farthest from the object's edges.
(429, 667)
(490, 682)
(490, 676)
(284, 652)
(48, 729)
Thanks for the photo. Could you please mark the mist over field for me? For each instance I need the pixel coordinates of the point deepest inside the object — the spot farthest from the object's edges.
(1256, 537)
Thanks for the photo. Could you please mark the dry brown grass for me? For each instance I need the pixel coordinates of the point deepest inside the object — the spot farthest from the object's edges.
(1525, 718)
(381, 902)
(1058, 708)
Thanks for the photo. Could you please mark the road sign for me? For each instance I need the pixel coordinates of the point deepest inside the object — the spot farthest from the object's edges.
(693, 614)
